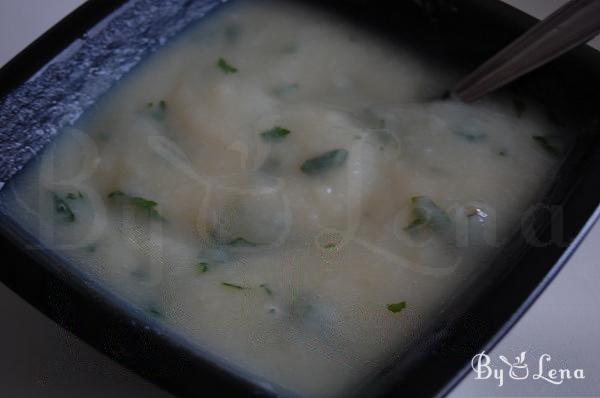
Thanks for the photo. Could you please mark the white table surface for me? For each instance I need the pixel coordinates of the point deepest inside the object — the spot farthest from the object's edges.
(39, 359)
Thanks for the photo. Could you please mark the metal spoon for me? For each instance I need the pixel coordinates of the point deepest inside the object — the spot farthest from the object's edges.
(575, 23)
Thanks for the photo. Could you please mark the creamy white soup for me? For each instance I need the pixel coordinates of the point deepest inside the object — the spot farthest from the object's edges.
(283, 188)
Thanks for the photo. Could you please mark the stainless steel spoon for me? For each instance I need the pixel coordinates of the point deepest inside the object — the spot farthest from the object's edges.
(575, 23)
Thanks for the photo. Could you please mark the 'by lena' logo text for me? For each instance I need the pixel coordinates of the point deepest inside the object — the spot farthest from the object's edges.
(519, 369)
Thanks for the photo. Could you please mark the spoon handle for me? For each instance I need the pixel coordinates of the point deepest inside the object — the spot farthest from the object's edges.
(575, 23)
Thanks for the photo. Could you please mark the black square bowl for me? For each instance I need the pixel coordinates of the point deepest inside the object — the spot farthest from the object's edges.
(55, 80)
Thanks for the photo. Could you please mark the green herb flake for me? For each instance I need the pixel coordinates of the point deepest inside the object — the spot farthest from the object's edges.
(397, 307)
(148, 206)
(157, 111)
(275, 134)
(154, 312)
(330, 246)
(226, 67)
(74, 196)
(546, 145)
(427, 214)
(115, 194)
(415, 224)
(233, 286)
(322, 163)
(519, 107)
(202, 267)
(266, 288)
(145, 205)
(471, 136)
(63, 210)
(242, 242)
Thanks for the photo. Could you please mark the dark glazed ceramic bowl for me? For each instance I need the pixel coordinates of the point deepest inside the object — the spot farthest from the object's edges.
(60, 76)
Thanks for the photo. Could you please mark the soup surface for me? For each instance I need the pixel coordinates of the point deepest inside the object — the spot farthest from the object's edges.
(289, 191)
